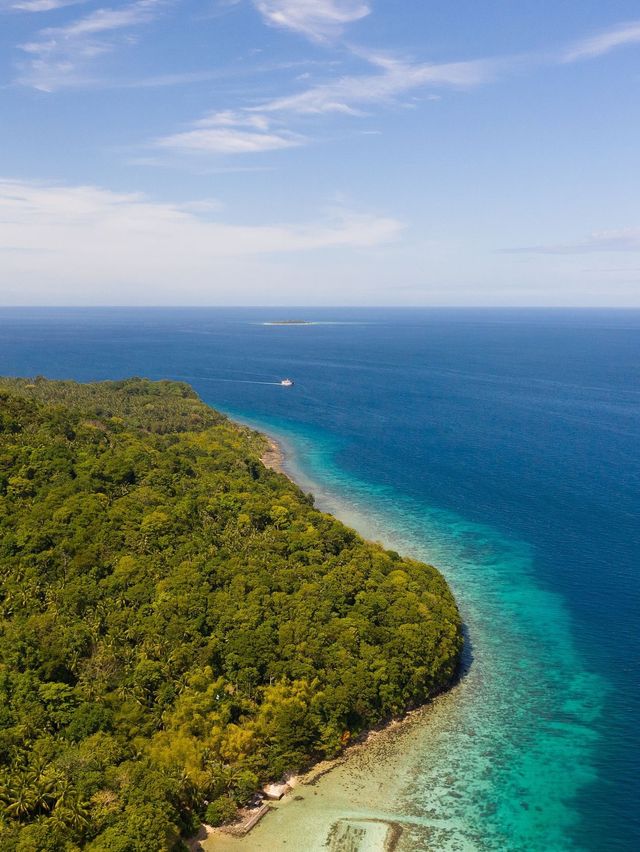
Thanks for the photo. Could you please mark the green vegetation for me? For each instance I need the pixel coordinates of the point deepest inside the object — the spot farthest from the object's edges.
(178, 624)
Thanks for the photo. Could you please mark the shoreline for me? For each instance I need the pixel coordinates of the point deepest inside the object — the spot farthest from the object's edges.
(464, 766)
(274, 458)
(382, 738)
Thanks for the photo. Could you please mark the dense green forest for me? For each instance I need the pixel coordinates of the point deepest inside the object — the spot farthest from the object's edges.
(178, 624)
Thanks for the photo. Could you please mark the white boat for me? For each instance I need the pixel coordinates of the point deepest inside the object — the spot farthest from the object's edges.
(286, 383)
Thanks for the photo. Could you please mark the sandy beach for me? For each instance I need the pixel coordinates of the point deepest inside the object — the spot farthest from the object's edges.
(274, 456)
(345, 805)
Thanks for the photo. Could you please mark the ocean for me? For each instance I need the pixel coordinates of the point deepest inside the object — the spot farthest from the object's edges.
(504, 447)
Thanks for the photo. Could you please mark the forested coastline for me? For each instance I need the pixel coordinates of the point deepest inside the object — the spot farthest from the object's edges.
(179, 624)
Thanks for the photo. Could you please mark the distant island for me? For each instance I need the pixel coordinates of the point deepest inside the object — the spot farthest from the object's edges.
(180, 625)
(289, 322)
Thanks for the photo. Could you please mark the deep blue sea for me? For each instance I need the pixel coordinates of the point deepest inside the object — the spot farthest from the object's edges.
(504, 445)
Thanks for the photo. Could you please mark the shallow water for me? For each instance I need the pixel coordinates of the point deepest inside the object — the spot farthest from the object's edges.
(496, 763)
(501, 446)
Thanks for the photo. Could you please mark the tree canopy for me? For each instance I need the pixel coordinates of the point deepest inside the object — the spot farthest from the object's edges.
(178, 623)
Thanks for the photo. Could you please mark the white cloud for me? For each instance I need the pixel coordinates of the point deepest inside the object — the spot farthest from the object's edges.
(604, 42)
(84, 237)
(231, 133)
(317, 19)
(59, 55)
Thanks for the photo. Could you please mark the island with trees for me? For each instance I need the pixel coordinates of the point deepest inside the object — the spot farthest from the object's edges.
(178, 624)
(289, 322)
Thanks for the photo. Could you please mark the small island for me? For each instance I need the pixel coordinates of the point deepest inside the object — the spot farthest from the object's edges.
(180, 626)
(289, 322)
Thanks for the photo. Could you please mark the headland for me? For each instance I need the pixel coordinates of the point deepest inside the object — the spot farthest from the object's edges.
(191, 605)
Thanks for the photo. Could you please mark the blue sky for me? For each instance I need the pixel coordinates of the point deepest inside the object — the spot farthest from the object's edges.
(359, 152)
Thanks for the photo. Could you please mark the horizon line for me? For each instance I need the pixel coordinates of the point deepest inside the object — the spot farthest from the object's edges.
(326, 307)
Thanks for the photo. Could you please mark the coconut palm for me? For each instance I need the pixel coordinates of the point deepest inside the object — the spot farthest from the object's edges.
(70, 812)
(20, 799)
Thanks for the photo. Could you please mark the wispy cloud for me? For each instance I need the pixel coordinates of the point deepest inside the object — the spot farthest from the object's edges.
(160, 81)
(386, 80)
(59, 56)
(37, 5)
(603, 42)
(394, 77)
(254, 129)
(231, 133)
(319, 20)
(616, 240)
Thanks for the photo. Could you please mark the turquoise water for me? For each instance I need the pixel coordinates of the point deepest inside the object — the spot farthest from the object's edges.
(501, 764)
(501, 446)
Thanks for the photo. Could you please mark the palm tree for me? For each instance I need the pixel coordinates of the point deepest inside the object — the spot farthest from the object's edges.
(43, 782)
(20, 799)
(70, 812)
(188, 793)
